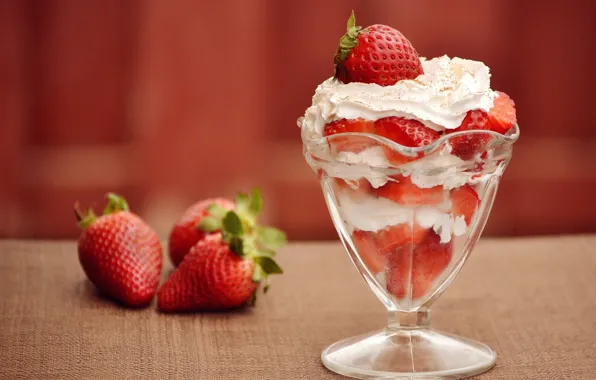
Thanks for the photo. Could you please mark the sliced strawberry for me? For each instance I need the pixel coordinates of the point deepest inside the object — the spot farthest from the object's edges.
(395, 129)
(465, 202)
(433, 257)
(413, 271)
(373, 258)
(406, 132)
(400, 264)
(353, 144)
(406, 193)
(502, 116)
(465, 147)
(348, 125)
(499, 119)
(375, 247)
(400, 235)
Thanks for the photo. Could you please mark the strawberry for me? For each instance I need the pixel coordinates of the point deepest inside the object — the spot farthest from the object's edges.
(377, 54)
(224, 270)
(407, 193)
(500, 119)
(374, 259)
(399, 270)
(433, 257)
(399, 235)
(411, 272)
(502, 116)
(353, 144)
(465, 202)
(212, 276)
(120, 254)
(467, 145)
(406, 132)
(375, 247)
(185, 232)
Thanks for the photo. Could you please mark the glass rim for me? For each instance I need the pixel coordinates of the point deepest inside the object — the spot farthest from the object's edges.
(310, 144)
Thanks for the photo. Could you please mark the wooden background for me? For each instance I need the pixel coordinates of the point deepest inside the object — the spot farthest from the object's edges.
(171, 101)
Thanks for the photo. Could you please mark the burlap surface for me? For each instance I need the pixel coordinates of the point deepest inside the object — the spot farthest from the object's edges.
(533, 300)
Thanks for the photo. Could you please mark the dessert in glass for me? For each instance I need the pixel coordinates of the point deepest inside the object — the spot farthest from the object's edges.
(409, 153)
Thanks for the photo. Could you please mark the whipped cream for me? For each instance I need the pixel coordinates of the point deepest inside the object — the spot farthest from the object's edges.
(353, 166)
(439, 98)
(436, 169)
(374, 214)
(446, 225)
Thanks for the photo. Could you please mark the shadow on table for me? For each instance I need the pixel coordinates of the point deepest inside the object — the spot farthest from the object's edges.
(93, 298)
(97, 299)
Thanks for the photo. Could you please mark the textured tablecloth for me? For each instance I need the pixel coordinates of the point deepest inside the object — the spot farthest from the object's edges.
(532, 299)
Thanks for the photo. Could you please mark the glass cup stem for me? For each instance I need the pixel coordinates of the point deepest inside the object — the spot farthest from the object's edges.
(404, 320)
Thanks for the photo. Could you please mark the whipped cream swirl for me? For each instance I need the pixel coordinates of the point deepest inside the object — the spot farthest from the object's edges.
(439, 98)
(374, 214)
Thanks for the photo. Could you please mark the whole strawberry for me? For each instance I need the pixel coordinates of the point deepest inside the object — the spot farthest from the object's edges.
(224, 270)
(377, 54)
(120, 254)
(186, 232)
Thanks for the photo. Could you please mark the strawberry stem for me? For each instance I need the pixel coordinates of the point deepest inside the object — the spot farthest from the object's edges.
(116, 203)
(84, 219)
(346, 43)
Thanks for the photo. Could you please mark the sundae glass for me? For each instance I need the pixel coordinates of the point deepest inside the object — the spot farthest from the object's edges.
(409, 153)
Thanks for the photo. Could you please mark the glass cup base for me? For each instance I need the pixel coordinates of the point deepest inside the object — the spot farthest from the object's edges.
(420, 353)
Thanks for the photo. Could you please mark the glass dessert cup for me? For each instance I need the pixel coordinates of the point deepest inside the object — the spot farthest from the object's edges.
(409, 218)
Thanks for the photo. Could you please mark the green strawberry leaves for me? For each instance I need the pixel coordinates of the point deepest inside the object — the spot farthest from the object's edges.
(268, 265)
(232, 232)
(237, 246)
(265, 266)
(271, 238)
(351, 21)
(213, 222)
(231, 223)
(242, 201)
(210, 224)
(116, 203)
(217, 211)
(348, 41)
(84, 218)
(249, 206)
(242, 219)
(258, 274)
(256, 202)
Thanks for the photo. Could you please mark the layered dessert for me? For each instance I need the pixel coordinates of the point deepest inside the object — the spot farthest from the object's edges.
(407, 146)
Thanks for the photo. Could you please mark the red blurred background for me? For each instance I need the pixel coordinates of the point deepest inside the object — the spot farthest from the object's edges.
(167, 102)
